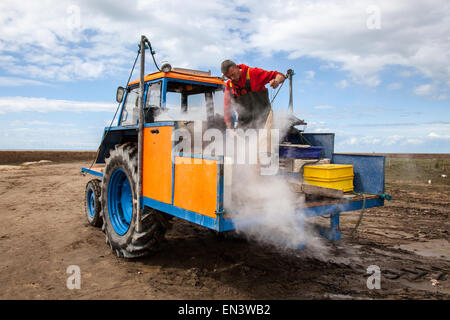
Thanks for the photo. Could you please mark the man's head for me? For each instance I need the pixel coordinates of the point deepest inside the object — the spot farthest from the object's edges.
(230, 70)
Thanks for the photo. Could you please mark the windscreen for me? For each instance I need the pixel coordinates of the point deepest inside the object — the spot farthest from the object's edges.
(191, 102)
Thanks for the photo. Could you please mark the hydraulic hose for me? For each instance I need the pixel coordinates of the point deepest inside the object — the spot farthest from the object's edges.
(152, 52)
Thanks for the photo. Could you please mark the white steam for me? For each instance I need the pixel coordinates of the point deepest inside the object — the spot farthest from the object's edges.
(265, 209)
(174, 113)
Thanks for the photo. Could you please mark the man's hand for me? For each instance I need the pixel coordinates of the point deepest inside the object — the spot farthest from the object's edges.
(274, 83)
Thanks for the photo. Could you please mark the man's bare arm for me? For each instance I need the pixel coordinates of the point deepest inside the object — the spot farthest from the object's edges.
(274, 83)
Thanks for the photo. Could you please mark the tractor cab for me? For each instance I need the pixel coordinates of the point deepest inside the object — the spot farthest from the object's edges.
(178, 95)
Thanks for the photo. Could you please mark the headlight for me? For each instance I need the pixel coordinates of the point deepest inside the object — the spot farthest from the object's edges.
(166, 67)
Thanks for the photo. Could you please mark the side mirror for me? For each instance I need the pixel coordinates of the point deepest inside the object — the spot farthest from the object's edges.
(119, 94)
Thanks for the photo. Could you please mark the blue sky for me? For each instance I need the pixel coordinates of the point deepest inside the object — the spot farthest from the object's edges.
(376, 73)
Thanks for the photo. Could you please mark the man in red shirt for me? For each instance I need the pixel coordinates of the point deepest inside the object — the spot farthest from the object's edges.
(247, 94)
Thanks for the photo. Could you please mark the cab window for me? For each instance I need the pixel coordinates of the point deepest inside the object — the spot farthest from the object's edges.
(130, 113)
(152, 105)
(185, 101)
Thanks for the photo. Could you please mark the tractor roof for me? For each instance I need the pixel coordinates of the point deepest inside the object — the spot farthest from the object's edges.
(185, 75)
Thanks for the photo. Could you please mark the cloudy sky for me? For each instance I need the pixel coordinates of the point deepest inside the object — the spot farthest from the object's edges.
(376, 73)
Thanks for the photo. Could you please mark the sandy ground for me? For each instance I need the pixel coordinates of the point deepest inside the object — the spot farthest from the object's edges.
(43, 231)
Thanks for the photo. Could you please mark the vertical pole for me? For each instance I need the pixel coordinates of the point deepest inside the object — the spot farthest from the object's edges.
(335, 231)
(290, 72)
(140, 137)
(184, 102)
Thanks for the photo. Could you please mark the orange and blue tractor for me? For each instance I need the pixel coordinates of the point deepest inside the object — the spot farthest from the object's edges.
(143, 178)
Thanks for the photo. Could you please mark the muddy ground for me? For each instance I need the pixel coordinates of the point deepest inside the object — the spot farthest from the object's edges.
(43, 231)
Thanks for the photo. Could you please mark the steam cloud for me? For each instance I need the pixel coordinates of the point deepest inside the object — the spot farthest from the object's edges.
(264, 208)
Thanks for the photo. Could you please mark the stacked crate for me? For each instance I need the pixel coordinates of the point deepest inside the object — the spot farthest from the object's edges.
(333, 176)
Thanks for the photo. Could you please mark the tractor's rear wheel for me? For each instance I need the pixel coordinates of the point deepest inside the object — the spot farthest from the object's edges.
(119, 203)
(92, 203)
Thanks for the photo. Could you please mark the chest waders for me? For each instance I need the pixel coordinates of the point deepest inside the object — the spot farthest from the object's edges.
(253, 107)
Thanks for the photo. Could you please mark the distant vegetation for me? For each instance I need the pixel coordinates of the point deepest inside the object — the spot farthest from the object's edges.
(18, 156)
(418, 171)
(410, 168)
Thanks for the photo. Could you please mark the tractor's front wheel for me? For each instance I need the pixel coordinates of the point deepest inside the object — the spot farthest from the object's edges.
(119, 203)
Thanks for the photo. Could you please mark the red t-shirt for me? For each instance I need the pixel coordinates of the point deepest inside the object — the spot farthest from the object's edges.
(258, 80)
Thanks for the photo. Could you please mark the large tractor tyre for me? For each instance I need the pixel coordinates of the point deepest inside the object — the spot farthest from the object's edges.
(119, 202)
(92, 203)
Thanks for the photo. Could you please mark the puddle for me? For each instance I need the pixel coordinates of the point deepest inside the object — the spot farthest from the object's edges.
(7, 167)
(343, 297)
(438, 248)
(33, 163)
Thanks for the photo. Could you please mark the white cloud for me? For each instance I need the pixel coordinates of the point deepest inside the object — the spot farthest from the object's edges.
(417, 141)
(37, 123)
(413, 34)
(395, 86)
(382, 141)
(438, 136)
(324, 107)
(105, 41)
(43, 40)
(406, 73)
(19, 104)
(310, 74)
(328, 66)
(318, 127)
(424, 90)
(75, 138)
(16, 82)
(432, 90)
(342, 84)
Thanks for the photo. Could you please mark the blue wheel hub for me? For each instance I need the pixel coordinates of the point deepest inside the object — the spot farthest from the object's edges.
(120, 202)
(91, 203)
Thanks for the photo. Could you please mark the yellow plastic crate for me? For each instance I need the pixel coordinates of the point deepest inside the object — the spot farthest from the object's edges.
(334, 176)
